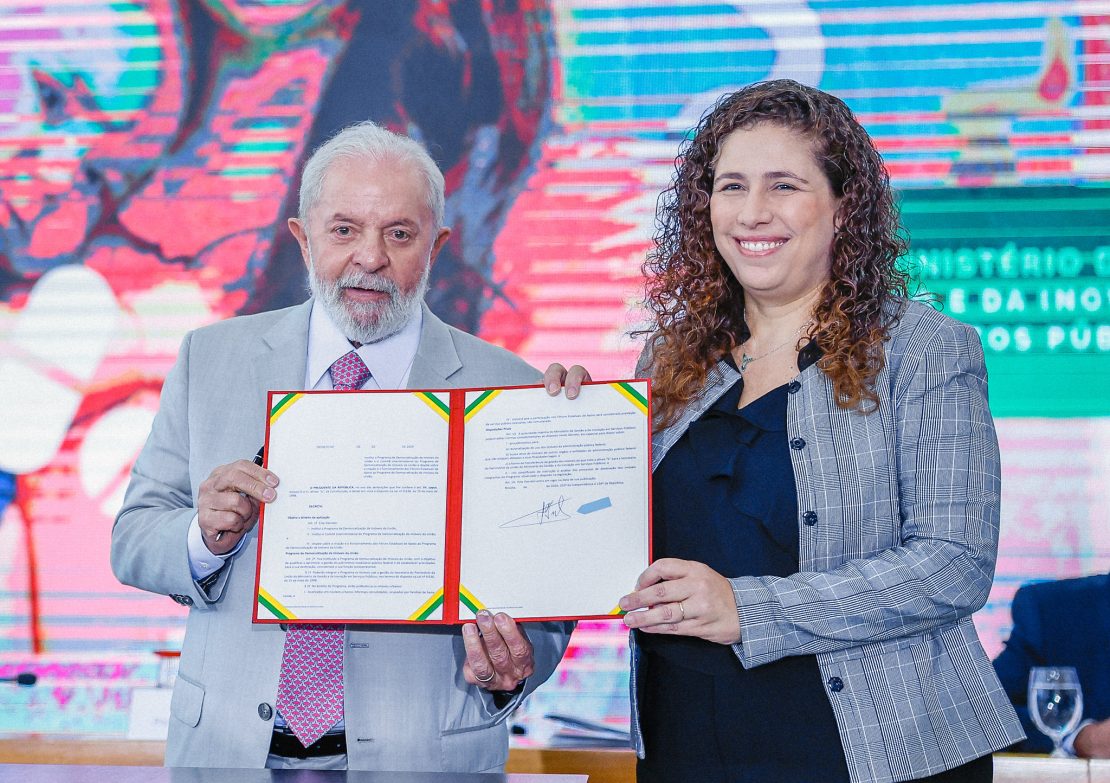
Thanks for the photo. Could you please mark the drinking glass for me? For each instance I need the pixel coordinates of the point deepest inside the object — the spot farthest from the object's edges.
(1055, 702)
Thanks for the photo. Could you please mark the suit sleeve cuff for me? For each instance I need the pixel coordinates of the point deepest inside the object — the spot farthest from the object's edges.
(765, 636)
(203, 563)
(1068, 745)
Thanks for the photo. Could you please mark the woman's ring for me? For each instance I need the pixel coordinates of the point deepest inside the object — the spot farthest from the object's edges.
(682, 609)
(492, 674)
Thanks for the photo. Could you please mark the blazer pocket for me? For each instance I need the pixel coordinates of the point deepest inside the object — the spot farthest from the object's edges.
(467, 752)
(187, 701)
(479, 724)
(472, 716)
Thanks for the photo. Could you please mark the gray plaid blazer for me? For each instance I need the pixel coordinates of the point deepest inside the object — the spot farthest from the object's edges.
(901, 553)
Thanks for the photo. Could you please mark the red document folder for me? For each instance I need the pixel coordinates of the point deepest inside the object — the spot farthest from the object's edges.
(578, 470)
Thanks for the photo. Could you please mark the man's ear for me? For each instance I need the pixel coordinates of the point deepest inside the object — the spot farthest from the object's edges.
(441, 240)
(296, 228)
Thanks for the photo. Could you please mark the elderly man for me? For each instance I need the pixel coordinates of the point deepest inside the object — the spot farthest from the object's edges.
(370, 224)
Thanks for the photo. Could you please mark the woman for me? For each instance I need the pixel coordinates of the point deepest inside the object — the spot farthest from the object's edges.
(826, 474)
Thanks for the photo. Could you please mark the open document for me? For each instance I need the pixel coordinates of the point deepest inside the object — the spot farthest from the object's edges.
(428, 506)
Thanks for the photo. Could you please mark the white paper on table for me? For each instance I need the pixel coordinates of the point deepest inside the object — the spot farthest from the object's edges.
(149, 715)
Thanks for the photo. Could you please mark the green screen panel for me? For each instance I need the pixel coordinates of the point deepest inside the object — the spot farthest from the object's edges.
(1030, 269)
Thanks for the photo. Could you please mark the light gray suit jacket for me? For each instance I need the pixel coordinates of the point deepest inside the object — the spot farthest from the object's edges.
(898, 532)
(406, 705)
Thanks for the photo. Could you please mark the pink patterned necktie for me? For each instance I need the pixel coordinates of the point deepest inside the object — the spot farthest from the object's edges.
(310, 686)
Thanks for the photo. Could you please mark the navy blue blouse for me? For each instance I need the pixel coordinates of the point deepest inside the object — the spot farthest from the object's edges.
(725, 496)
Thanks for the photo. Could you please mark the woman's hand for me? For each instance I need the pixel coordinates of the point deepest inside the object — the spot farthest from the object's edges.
(683, 597)
(570, 381)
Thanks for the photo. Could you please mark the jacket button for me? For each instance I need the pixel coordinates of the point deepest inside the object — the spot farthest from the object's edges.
(265, 711)
(836, 685)
(792, 387)
(810, 518)
(797, 444)
(186, 600)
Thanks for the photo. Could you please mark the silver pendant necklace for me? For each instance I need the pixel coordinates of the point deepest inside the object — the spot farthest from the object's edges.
(746, 359)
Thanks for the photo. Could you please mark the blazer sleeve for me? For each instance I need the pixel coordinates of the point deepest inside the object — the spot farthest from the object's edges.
(948, 472)
(149, 538)
(1024, 650)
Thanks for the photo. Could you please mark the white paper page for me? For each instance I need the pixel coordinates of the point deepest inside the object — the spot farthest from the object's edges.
(357, 529)
(149, 715)
(555, 501)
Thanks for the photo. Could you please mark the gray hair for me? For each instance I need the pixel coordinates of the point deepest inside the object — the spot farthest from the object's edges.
(372, 142)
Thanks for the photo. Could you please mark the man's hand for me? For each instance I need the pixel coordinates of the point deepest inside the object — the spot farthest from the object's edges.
(227, 506)
(498, 653)
(1093, 742)
(558, 376)
(683, 597)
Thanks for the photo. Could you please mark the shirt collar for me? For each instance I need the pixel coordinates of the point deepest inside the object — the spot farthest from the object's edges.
(389, 360)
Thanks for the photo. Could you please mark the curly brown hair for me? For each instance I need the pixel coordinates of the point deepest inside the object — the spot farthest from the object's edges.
(697, 304)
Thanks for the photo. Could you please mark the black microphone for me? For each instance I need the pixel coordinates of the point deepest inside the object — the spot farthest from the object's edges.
(23, 678)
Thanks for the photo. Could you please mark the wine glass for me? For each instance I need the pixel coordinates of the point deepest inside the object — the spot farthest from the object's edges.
(1055, 702)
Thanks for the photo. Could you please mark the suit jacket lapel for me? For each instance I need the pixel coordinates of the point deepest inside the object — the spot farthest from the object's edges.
(283, 352)
(436, 358)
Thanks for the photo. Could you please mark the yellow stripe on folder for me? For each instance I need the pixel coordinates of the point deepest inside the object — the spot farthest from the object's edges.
(483, 400)
(274, 605)
(428, 606)
(436, 404)
(282, 405)
(630, 394)
(468, 600)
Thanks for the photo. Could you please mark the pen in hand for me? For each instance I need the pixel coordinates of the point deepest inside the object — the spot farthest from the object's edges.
(257, 461)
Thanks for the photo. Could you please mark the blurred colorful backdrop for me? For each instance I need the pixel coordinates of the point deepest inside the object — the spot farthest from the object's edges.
(148, 159)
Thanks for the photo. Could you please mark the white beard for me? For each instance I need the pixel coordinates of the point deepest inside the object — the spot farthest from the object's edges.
(367, 322)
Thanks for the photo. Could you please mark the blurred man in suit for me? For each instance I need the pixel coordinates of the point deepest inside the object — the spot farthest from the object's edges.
(370, 224)
(1064, 623)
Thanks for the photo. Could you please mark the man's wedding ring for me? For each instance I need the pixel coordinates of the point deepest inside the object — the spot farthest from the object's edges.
(682, 609)
(492, 674)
